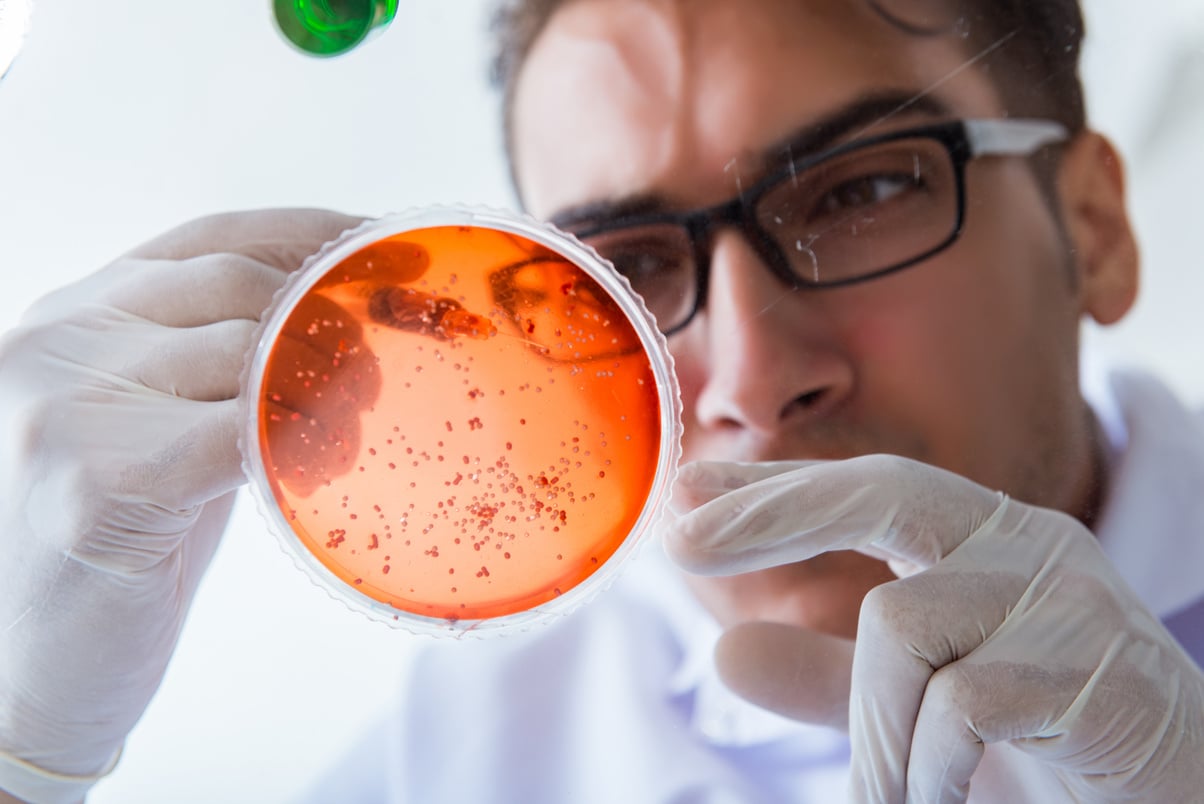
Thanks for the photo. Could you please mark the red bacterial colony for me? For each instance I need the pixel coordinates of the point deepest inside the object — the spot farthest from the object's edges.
(459, 423)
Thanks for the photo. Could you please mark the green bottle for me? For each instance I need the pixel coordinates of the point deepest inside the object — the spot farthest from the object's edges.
(331, 27)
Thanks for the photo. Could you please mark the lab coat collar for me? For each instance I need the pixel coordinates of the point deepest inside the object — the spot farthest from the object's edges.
(723, 718)
(715, 713)
(1150, 524)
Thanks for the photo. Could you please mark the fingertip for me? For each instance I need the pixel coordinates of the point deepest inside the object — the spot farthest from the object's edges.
(206, 461)
(699, 482)
(734, 654)
(282, 238)
(710, 479)
(678, 543)
(694, 474)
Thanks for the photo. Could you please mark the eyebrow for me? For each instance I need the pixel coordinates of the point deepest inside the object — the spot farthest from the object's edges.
(851, 121)
(845, 123)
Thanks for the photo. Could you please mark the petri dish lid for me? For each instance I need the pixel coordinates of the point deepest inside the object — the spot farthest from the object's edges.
(459, 420)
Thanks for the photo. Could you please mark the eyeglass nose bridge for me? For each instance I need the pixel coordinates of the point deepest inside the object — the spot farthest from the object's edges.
(738, 213)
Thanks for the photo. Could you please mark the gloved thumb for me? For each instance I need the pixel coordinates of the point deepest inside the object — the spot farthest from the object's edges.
(796, 672)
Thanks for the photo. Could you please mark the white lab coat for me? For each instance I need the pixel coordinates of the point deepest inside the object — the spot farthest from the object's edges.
(618, 704)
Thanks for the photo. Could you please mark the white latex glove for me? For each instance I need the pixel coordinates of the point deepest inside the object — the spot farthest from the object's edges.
(1018, 629)
(118, 462)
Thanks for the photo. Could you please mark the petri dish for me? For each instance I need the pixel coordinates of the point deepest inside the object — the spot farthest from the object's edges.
(459, 420)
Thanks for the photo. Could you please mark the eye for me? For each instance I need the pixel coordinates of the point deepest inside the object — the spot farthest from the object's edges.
(644, 266)
(866, 191)
(646, 257)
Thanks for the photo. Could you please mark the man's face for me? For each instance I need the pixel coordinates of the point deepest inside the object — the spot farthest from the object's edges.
(966, 361)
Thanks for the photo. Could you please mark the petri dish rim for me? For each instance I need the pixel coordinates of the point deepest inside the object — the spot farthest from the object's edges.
(330, 256)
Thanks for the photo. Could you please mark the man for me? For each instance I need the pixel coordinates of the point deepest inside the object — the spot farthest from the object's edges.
(871, 237)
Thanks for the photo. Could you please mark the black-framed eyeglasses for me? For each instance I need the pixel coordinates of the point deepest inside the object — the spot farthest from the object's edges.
(855, 212)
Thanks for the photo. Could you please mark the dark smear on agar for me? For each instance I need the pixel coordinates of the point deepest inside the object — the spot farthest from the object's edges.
(426, 314)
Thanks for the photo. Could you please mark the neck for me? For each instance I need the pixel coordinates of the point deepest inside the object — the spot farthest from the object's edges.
(1090, 493)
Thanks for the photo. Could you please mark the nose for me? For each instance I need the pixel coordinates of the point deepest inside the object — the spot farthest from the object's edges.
(772, 358)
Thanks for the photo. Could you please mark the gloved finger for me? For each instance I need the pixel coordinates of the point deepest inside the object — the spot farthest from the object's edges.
(186, 293)
(321, 376)
(881, 504)
(306, 452)
(172, 453)
(203, 462)
(302, 380)
(1070, 718)
(320, 367)
(281, 238)
(196, 291)
(324, 373)
(327, 328)
(907, 631)
(796, 672)
(200, 363)
(312, 424)
(699, 482)
(967, 705)
(1001, 594)
(1077, 673)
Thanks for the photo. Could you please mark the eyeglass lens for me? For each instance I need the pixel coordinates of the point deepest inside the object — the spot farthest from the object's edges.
(848, 217)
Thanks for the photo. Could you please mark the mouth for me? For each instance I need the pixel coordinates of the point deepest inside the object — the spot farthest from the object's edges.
(809, 429)
(749, 447)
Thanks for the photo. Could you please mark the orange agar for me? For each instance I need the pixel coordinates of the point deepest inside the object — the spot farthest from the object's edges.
(459, 423)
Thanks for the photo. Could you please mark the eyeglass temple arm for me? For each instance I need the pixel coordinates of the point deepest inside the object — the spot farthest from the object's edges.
(1018, 137)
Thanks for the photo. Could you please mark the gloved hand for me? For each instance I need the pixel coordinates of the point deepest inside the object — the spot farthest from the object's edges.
(324, 376)
(1016, 628)
(118, 459)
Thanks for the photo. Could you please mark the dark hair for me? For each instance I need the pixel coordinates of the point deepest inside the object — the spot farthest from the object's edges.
(1029, 48)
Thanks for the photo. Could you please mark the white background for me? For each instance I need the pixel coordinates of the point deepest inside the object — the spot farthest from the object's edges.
(121, 119)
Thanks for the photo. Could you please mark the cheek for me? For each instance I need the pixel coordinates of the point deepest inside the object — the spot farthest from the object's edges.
(903, 352)
(884, 338)
(970, 347)
(998, 300)
(689, 364)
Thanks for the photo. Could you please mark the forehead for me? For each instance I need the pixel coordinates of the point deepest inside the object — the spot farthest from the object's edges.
(676, 97)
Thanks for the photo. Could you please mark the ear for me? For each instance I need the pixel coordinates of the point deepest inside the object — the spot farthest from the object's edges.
(1091, 188)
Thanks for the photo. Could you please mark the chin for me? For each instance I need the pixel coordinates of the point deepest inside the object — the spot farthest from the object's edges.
(823, 594)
